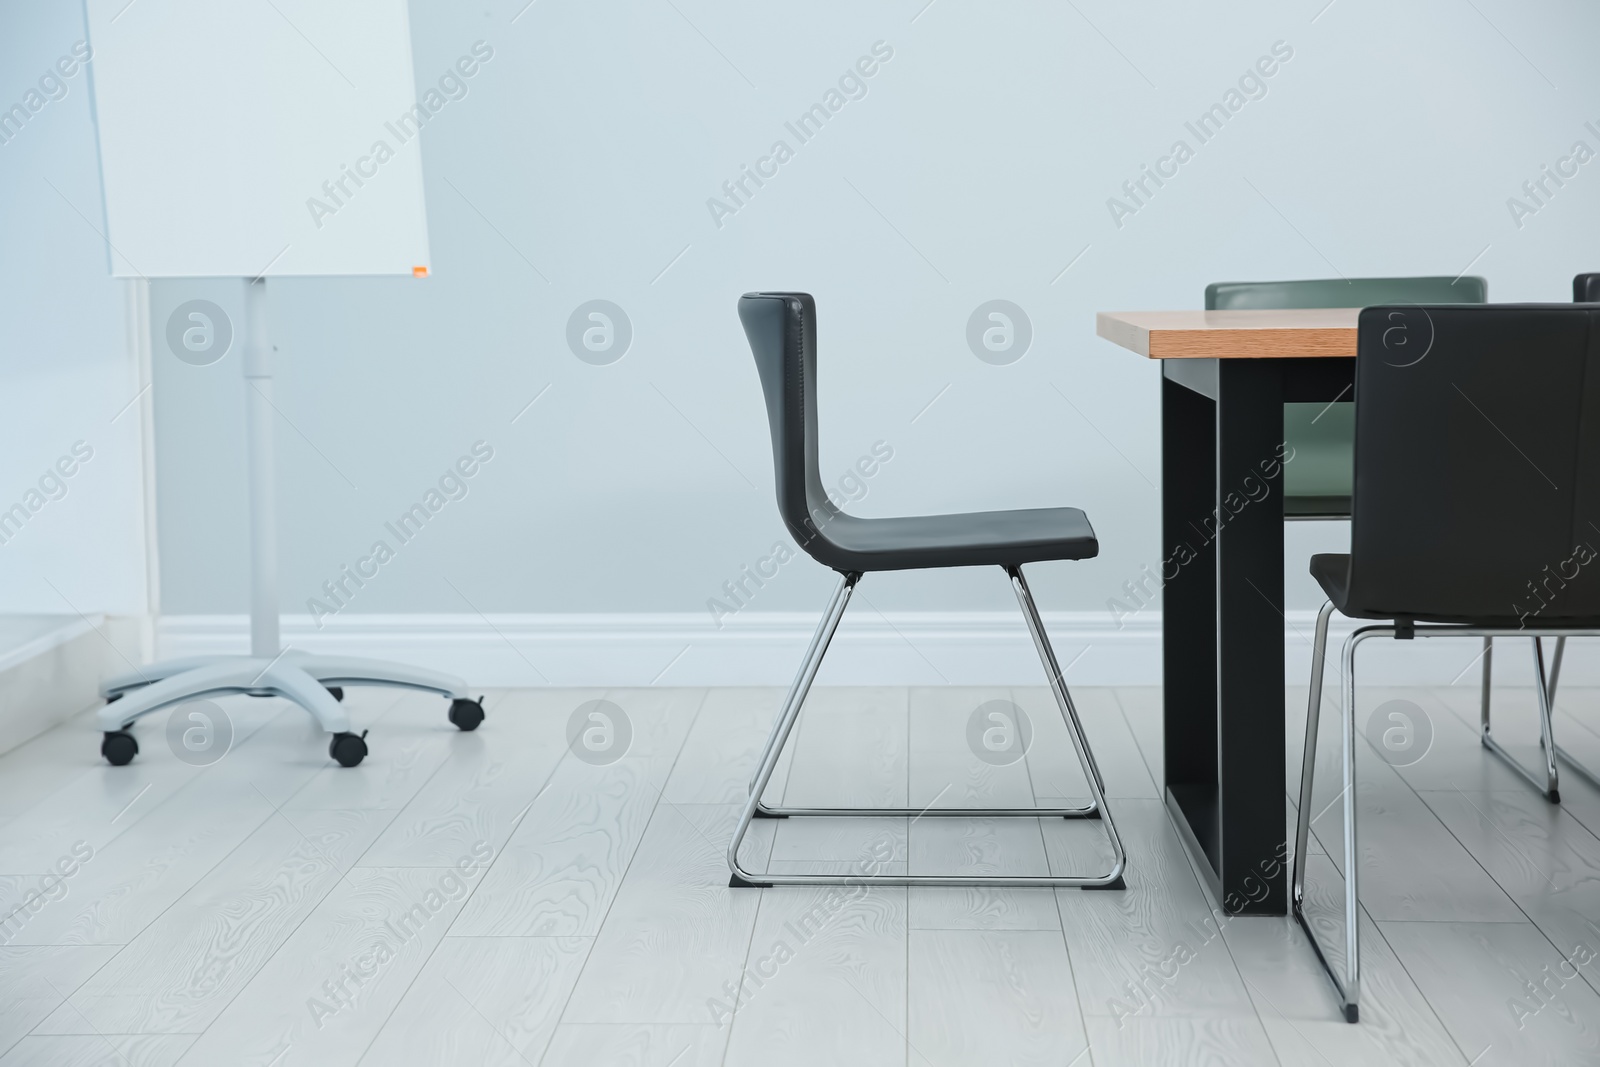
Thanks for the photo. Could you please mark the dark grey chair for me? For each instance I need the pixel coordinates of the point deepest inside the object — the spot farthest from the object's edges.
(1585, 290)
(1477, 469)
(1317, 484)
(782, 329)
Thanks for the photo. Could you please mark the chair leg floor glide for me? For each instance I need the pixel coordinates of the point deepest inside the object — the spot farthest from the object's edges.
(789, 713)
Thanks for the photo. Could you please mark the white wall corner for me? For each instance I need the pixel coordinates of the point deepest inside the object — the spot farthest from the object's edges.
(137, 295)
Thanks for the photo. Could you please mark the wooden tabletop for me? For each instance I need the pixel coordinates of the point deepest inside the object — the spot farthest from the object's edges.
(1276, 334)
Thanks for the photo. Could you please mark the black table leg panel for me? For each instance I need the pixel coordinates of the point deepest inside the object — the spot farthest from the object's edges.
(1223, 625)
(1189, 611)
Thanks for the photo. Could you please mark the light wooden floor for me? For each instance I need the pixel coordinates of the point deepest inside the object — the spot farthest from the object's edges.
(566, 913)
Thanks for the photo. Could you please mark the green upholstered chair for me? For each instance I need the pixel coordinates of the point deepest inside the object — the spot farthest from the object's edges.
(1317, 484)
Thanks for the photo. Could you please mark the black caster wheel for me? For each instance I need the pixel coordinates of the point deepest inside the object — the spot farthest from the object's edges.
(337, 691)
(467, 715)
(119, 748)
(348, 749)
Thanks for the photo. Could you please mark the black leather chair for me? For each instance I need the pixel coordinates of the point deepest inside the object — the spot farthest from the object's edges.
(782, 329)
(1585, 290)
(1476, 489)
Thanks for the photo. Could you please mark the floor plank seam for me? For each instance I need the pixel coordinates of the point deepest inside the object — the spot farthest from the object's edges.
(655, 810)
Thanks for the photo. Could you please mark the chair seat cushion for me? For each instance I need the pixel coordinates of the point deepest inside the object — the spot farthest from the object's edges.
(975, 539)
(1332, 572)
(1315, 507)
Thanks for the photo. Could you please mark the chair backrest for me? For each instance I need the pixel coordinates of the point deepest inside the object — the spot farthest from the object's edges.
(1477, 463)
(1345, 292)
(782, 329)
(1317, 483)
(1586, 289)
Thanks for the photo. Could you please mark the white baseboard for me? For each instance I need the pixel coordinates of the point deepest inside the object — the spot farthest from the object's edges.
(908, 648)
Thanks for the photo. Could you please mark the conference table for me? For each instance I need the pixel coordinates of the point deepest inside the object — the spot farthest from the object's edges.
(1225, 376)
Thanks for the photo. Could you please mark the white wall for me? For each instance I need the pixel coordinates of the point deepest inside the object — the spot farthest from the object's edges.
(65, 360)
(978, 166)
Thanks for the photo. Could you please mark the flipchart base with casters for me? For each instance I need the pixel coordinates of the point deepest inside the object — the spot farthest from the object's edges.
(269, 669)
